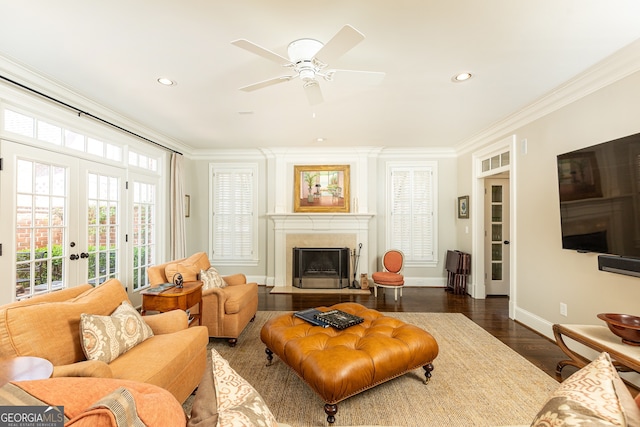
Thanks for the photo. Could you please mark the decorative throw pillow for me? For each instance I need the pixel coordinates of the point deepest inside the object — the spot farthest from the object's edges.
(189, 267)
(239, 404)
(594, 395)
(212, 279)
(107, 337)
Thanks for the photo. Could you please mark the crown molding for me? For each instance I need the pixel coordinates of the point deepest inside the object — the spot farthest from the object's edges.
(615, 67)
(39, 82)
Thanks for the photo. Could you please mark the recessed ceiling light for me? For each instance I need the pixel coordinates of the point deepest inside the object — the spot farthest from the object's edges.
(321, 139)
(166, 81)
(461, 77)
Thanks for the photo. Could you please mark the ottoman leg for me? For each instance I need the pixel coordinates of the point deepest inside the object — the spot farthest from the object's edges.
(269, 356)
(331, 409)
(427, 372)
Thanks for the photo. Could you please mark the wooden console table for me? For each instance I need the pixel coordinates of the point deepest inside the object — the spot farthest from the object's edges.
(598, 337)
(174, 299)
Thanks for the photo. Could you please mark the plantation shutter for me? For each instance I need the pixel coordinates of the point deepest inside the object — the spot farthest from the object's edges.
(412, 213)
(233, 220)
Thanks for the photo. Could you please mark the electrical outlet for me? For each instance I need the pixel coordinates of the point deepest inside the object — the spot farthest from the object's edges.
(563, 309)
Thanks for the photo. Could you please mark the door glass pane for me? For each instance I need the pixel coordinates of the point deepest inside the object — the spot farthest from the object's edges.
(40, 233)
(496, 213)
(496, 251)
(102, 227)
(496, 193)
(486, 165)
(144, 225)
(496, 232)
(496, 271)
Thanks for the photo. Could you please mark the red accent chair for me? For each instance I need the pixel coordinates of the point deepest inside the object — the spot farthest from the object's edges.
(391, 277)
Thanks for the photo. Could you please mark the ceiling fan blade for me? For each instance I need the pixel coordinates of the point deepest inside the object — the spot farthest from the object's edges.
(314, 94)
(343, 41)
(357, 77)
(260, 51)
(270, 82)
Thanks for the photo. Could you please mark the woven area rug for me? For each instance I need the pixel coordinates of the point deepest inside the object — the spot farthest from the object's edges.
(477, 381)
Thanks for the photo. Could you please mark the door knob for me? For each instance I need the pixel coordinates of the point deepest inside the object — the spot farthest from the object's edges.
(506, 242)
(74, 257)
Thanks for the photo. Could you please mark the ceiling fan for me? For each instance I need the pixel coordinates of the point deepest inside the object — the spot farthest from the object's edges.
(308, 59)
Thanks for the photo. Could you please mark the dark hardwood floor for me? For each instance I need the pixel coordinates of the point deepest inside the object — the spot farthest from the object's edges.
(492, 314)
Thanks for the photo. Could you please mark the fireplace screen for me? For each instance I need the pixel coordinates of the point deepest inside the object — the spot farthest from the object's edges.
(321, 268)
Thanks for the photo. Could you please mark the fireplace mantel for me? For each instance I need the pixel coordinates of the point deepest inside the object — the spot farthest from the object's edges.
(288, 224)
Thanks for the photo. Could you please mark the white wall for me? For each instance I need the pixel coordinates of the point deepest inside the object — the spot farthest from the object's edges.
(546, 274)
(367, 183)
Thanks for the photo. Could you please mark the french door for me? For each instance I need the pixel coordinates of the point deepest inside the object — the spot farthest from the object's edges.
(62, 221)
(497, 236)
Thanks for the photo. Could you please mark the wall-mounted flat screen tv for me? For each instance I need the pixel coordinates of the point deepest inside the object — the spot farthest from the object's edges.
(599, 188)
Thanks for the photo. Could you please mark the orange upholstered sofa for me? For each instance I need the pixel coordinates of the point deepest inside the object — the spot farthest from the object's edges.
(225, 311)
(48, 326)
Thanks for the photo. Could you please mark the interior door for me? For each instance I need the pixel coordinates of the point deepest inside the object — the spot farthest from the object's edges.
(497, 259)
(61, 221)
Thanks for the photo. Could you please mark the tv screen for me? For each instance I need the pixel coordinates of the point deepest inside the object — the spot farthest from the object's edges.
(599, 189)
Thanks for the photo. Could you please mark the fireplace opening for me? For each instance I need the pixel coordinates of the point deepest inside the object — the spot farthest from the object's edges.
(320, 268)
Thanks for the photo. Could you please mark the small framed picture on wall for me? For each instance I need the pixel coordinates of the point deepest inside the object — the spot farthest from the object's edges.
(463, 207)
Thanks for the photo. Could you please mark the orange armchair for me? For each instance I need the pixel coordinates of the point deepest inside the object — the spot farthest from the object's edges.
(225, 311)
(391, 277)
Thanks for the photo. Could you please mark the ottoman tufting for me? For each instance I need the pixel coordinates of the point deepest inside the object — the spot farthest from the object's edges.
(338, 364)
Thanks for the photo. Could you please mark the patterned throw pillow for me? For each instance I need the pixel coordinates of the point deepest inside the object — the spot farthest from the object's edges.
(594, 395)
(212, 279)
(107, 337)
(239, 404)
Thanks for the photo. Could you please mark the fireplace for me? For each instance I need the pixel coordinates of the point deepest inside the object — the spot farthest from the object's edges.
(320, 268)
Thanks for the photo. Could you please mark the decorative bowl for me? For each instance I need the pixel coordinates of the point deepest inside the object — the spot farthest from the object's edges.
(625, 326)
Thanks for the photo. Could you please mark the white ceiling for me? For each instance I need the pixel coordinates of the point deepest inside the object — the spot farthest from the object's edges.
(113, 51)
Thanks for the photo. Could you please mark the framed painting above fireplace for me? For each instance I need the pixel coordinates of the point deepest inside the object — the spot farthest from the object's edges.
(321, 188)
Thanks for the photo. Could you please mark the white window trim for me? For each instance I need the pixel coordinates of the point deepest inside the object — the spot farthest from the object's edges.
(433, 165)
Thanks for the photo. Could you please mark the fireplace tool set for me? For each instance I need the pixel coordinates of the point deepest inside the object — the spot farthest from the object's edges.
(355, 258)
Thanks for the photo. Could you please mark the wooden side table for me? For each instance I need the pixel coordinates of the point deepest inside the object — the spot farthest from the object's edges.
(174, 298)
(598, 337)
(24, 368)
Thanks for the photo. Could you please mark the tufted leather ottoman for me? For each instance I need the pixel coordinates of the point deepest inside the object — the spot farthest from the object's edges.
(338, 364)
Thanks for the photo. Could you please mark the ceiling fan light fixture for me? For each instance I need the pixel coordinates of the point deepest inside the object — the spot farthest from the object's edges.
(308, 76)
(461, 77)
(303, 49)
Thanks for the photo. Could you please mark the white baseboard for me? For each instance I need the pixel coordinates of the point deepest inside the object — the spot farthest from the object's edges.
(536, 323)
(414, 282)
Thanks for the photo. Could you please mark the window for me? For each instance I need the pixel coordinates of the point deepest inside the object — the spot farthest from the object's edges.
(37, 128)
(234, 223)
(411, 206)
(142, 161)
